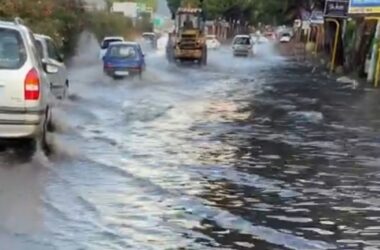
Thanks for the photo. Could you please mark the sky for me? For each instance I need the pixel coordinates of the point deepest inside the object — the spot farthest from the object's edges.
(162, 8)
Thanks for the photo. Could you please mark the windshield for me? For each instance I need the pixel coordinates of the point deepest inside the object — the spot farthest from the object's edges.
(40, 48)
(211, 38)
(106, 43)
(122, 51)
(242, 40)
(189, 21)
(148, 36)
(12, 50)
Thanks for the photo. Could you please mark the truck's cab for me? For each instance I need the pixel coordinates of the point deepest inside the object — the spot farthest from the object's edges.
(187, 42)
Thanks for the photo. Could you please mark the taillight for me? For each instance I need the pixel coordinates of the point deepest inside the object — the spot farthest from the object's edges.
(32, 85)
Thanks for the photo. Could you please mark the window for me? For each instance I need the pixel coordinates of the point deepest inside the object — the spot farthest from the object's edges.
(52, 50)
(243, 41)
(106, 43)
(40, 49)
(12, 49)
(35, 50)
(123, 52)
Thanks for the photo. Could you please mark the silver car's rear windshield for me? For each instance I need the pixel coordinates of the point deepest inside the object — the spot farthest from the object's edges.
(12, 49)
(122, 51)
(242, 41)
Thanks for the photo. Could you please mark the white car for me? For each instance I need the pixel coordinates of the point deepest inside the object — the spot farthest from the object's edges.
(59, 82)
(212, 42)
(25, 97)
(106, 42)
(285, 38)
(150, 38)
(243, 45)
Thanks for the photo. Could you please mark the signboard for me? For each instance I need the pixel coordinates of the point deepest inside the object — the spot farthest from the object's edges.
(336, 8)
(316, 17)
(128, 9)
(158, 22)
(141, 7)
(364, 7)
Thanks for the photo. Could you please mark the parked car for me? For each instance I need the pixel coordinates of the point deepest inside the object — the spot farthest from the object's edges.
(124, 59)
(59, 82)
(150, 38)
(212, 42)
(25, 97)
(106, 43)
(285, 38)
(243, 45)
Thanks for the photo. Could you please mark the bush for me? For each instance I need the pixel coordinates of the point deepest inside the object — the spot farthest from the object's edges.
(60, 19)
(103, 24)
(63, 20)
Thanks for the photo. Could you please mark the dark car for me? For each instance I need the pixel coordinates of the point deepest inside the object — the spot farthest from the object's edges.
(124, 59)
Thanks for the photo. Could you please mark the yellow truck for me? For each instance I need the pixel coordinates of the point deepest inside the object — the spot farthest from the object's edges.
(188, 40)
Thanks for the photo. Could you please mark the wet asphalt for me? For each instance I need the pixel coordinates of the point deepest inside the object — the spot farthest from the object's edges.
(257, 153)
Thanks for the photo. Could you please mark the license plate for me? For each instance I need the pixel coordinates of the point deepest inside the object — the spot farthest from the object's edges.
(121, 73)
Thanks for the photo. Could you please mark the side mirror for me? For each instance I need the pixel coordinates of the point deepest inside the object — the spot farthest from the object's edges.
(49, 68)
(61, 57)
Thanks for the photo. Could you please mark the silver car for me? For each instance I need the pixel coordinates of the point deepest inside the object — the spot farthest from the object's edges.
(59, 82)
(25, 97)
(242, 45)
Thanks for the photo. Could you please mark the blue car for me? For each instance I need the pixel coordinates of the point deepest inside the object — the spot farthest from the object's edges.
(124, 59)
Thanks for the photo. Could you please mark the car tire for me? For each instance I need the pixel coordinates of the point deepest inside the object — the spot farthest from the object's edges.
(49, 123)
(26, 149)
(66, 88)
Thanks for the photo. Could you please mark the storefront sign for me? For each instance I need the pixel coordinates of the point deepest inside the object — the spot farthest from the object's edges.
(316, 17)
(364, 7)
(336, 8)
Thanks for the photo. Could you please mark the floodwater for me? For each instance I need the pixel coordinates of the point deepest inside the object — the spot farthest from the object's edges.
(260, 153)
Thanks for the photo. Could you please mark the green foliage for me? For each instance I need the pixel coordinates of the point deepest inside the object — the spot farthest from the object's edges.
(149, 3)
(253, 11)
(60, 19)
(103, 24)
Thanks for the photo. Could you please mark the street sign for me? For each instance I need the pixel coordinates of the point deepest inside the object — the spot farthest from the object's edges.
(364, 7)
(141, 7)
(316, 17)
(336, 8)
(157, 22)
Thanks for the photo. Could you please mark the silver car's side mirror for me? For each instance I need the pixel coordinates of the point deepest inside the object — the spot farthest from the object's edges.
(49, 68)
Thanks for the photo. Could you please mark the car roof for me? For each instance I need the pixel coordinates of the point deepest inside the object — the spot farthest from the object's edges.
(125, 43)
(8, 24)
(12, 25)
(149, 33)
(41, 36)
(244, 36)
(113, 38)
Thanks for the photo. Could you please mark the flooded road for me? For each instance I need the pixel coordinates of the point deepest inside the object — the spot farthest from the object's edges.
(258, 153)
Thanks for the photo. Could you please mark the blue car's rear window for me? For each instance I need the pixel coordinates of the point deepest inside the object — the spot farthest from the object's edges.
(122, 51)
